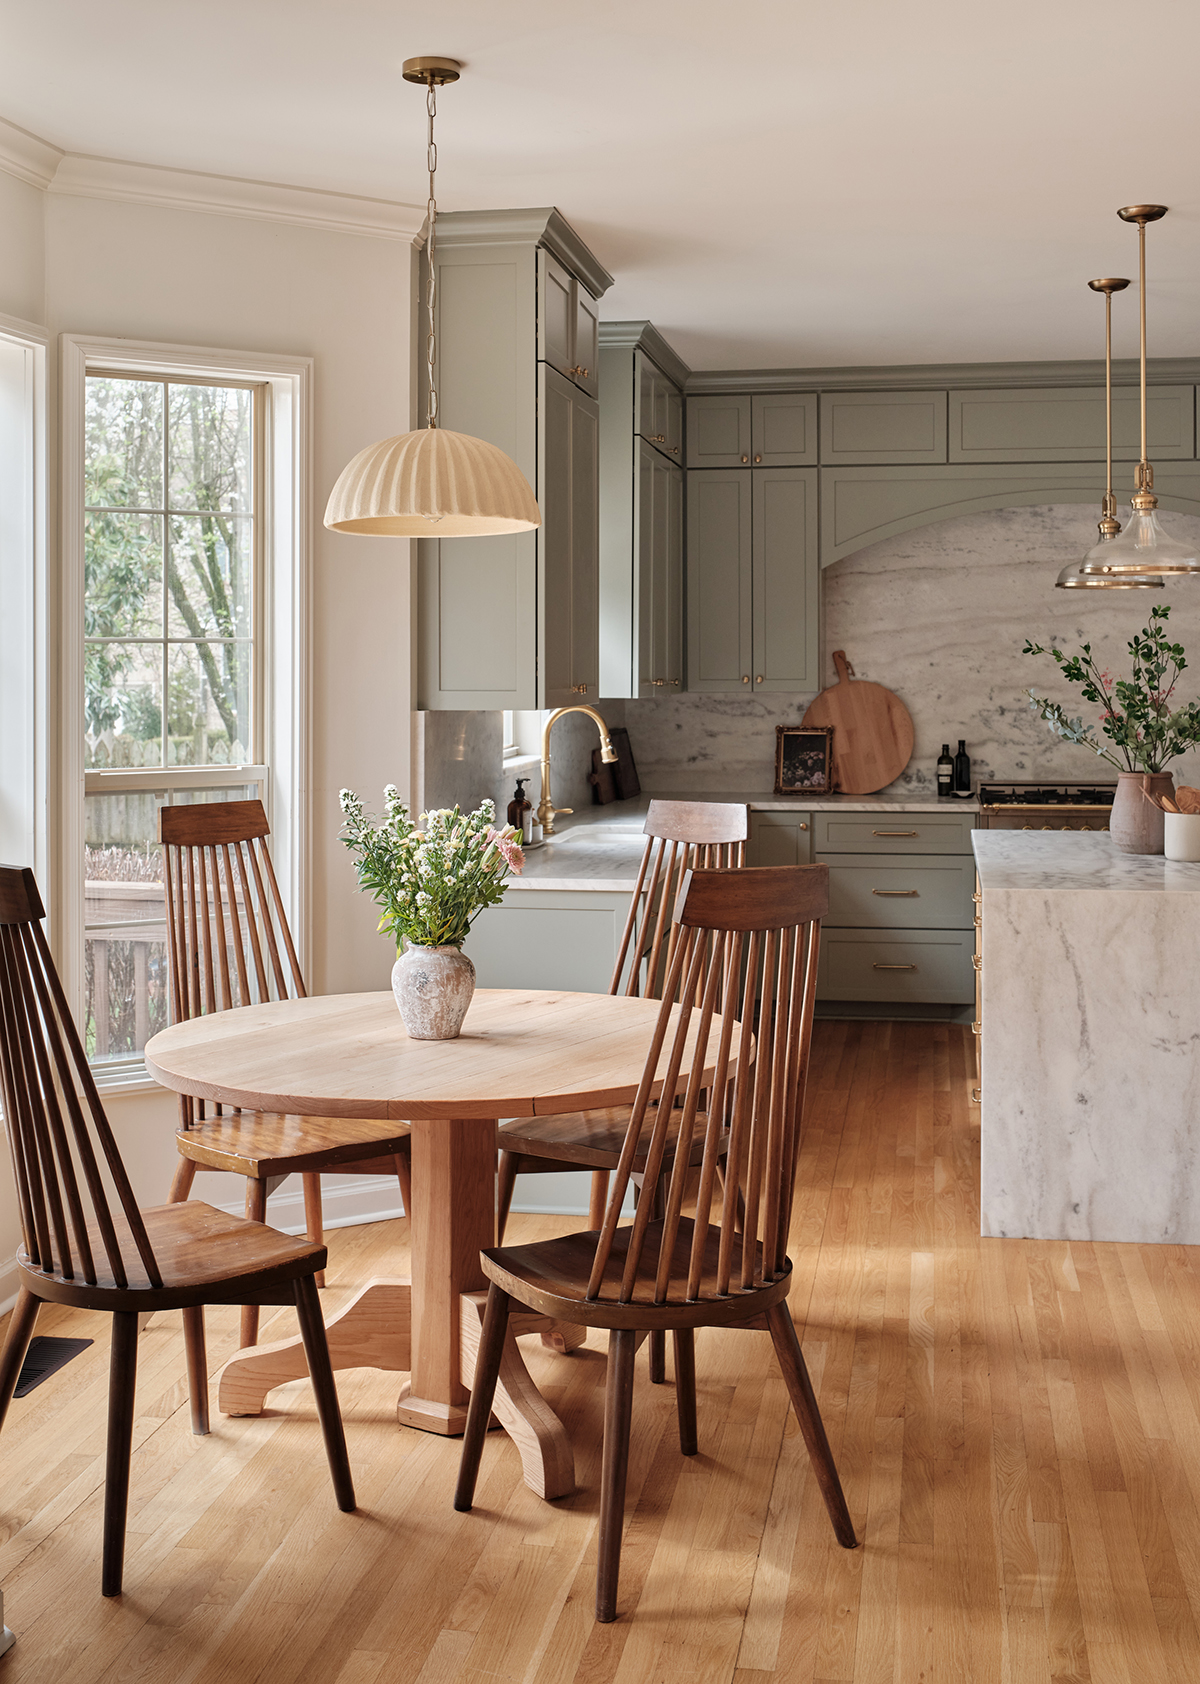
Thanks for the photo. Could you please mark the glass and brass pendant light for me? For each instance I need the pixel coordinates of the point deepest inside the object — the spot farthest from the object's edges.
(1073, 577)
(1143, 547)
(432, 483)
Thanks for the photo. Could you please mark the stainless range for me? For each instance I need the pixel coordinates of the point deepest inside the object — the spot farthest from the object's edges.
(1040, 805)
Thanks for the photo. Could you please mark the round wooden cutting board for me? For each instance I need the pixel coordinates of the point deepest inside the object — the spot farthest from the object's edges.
(872, 731)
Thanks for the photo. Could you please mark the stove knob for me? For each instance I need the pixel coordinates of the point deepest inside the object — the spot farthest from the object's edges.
(1026, 827)
(1066, 827)
(1047, 827)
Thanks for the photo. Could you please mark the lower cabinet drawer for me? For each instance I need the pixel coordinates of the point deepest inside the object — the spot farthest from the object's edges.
(921, 892)
(924, 967)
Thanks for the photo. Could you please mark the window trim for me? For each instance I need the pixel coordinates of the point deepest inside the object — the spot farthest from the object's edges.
(286, 728)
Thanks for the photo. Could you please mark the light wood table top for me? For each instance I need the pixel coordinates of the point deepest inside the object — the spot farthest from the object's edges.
(522, 1053)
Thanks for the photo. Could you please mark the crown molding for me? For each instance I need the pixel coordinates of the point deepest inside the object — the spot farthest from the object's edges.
(544, 225)
(915, 377)
(223, 195)
(644, 336)
(28, 156)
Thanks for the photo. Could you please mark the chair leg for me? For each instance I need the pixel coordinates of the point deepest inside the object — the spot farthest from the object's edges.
(506, 1182)
(685, 1388)
(483, 1392)
(316, 1349)
(256, 1211)
(404, 1177)
(314, 1221)
(197, 1367)
(16, 1343)
(181, 1181)
(618, 1415)
(122, 1386)
(804, 1402)
(598, 1201)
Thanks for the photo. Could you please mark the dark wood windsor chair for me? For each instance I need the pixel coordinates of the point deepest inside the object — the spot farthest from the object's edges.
(230, 945)
(86, 1243)
(749, 941)
(680, 836)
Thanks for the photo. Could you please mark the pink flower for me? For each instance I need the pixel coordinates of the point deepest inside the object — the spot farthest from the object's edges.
(508, 848)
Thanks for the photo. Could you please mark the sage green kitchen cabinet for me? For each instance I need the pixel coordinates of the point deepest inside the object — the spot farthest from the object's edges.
(783, 429)
(658, 417)
(568, 325)
(752, 580)
(780, 838)
(869, 427)
(641, 517)
(1067, 424)
(720, 431)
(513, 621)
(569, 468)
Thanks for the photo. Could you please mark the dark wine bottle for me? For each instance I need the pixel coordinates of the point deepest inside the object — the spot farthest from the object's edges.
(962, 769)
(945, 771)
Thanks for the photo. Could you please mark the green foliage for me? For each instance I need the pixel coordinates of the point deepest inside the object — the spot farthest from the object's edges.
(431, 885)
(1136, 712)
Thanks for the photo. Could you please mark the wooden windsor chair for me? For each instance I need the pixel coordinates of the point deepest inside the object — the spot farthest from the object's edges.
(680, 836)
(749, 940)
(230, 945)
(86, 1243)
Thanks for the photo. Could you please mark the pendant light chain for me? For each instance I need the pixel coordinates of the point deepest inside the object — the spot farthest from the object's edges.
(431, 213)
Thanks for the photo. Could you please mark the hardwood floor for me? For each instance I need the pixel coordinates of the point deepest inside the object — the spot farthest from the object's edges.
(1017, 1425)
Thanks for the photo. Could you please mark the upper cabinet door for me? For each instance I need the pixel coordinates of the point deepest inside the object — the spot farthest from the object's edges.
(568, 543)
(877, 427)
(1066, 424)
(719, 432)
(674, 561)
(586, 348)
(785, 580)
(658, 411)
(556, 315)
(784, 429)
(720, 638)
(674, 445)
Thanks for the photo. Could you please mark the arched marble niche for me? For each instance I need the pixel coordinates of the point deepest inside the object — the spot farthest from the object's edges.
(939, 615)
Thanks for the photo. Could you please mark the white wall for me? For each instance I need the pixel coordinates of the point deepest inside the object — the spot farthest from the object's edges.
(138, 271)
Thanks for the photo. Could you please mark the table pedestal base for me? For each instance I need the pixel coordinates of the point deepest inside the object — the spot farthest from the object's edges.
(375, 1331)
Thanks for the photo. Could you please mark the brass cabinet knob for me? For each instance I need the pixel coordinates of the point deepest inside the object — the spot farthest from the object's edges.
(745, 458)
(745, 678)
(675, 682)
(674, 450)
(658, 438)
(658, 681)
(576, 690)
(758, 458)
(758, 680)
(802, 825)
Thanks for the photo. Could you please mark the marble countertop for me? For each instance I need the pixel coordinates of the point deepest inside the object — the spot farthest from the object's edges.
(600, 848)
(1075, 860)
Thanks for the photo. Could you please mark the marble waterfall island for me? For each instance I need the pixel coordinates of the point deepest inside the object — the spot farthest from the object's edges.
(1090, 1124)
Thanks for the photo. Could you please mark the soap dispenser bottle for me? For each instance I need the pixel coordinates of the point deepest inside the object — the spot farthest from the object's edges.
(519, 806)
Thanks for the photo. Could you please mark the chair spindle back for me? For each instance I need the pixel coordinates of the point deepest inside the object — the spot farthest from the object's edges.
(746, 960)
(55, 1121)
(681, 836)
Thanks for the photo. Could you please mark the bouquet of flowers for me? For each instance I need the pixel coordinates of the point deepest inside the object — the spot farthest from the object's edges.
(431, 884)
(1137, 715)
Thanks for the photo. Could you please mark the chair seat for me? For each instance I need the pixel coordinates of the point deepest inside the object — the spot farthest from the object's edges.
(262, 1143)
(205, 1256)
(594, 1138)
(551, 1276)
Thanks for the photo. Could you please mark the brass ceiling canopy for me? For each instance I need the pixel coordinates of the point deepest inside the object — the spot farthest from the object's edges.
(1143, 548)
(1075, 577)
(431, 71)
(432, 483)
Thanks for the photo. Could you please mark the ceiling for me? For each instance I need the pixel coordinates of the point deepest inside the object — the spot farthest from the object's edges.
(781, 183)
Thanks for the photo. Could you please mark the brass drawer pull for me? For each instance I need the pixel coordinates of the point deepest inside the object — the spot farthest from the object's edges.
(895, 833)
(977, 961)
(879, 967)
(899, 894)
(977, 1029)
(976, 1096)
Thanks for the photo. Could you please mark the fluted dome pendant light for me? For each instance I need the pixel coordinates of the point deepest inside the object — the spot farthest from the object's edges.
(1143, 547)
(432, 483)
(1073, 577)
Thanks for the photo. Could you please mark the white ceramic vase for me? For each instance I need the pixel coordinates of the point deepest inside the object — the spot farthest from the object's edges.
(433, 988)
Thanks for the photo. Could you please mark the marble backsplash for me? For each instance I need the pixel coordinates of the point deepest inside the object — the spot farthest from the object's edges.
(939, 615)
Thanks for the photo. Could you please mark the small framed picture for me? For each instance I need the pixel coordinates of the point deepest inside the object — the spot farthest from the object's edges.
(803, 759)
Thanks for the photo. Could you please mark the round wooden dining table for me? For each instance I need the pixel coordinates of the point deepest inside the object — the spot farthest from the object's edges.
(521, 1053)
